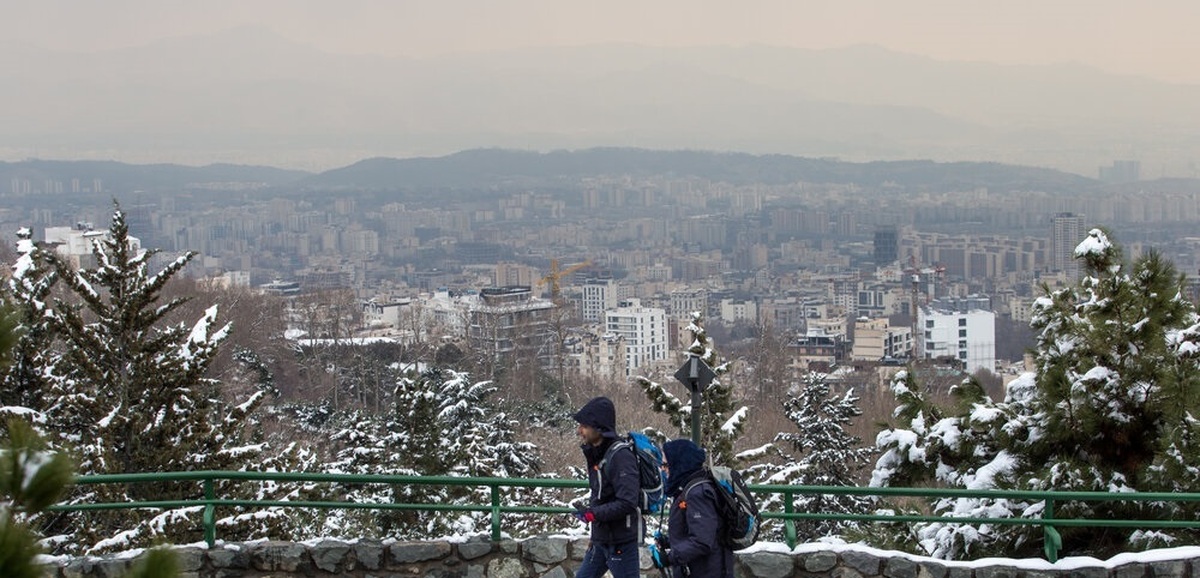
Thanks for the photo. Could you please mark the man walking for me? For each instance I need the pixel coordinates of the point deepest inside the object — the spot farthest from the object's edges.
(616, 524)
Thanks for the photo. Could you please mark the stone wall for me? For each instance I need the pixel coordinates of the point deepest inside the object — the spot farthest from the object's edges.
(557, 557)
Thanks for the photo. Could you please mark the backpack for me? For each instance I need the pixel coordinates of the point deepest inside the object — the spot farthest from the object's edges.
(736, 506)
(650, 476)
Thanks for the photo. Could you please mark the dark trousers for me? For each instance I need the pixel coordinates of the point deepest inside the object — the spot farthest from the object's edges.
(620, 559)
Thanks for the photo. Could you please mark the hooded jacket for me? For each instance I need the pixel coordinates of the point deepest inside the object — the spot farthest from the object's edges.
(613, 478)
(695, 523)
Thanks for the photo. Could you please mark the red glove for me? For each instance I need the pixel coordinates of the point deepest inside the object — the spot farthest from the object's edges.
(585, 516)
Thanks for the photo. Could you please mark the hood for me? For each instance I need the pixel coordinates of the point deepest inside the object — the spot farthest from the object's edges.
(600, 414)
(685, 458)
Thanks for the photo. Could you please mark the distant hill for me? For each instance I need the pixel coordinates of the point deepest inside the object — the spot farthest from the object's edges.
(117, 176)
(504, 169)
(483, 168)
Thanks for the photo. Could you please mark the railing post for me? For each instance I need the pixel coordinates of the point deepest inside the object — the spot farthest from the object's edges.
(789, 524)
(495, 512)
(1052, 540)
(210, 516)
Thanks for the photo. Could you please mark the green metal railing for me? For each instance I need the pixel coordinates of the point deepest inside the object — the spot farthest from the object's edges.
(207, 499)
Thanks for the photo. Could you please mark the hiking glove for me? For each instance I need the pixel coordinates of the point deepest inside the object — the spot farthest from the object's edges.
(585, 516)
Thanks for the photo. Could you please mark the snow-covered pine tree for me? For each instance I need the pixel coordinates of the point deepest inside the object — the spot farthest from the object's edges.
(721, 420)
(962, 446)
(24, 382)
(121, 385)
(1110, 408)
(32, 478)
(442, 424)
(819, 453)
(1117, 396)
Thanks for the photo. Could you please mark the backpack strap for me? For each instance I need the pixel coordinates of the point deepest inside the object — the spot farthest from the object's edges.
(696, 481)
(602, 467)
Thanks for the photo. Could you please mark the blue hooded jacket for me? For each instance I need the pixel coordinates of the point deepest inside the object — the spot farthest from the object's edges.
(615, 486)
(695, 523)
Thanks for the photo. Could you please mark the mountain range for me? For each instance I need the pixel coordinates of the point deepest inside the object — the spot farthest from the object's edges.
(250, 96)
(500, 169)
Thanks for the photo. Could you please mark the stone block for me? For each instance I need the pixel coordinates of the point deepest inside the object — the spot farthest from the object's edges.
(330, 555)
(960, 572)
(897, 567)
(865, 564)
(1169, 569)
(1130, 571)
(769, 564)
(927, 569)
(414, 552)
(189, 558)
(474, 548)
(279, 557)
(229, 558)
(545, 550)
(368, 554)
(845, 572)
(1087, 572)
(506, 568)
(996, 572)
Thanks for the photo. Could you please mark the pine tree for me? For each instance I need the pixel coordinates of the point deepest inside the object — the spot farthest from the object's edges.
(27, 291)
(720, 423)
(819, 453)
(119, 384)
(34, 477)
(442, 424)
(1111, 406)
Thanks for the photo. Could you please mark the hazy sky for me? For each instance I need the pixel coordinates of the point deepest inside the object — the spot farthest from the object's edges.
(1157, 38)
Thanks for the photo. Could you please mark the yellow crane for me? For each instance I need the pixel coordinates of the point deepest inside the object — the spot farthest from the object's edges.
(552, 278)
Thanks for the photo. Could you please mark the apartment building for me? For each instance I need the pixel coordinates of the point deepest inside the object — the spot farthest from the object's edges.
(876, 339)
(644, 330)
(596, 358)
(599, 295)
(961, 328)
(508, 320)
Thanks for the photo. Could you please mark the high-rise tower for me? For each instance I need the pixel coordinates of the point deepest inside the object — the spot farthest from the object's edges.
(1065, 234)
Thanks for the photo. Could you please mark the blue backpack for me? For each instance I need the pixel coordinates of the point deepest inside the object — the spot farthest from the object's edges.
(650, 474)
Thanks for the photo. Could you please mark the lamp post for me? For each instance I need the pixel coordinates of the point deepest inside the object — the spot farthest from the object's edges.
(695, 375)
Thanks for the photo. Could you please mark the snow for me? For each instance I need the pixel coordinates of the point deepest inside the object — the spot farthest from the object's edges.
(1096, 243)
(31, 465)
(730, 425)
(1031, 564)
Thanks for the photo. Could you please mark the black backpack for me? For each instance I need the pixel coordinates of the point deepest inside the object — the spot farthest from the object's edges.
(736, 505)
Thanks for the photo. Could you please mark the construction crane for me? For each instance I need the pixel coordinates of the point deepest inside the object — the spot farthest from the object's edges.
(555, 274)
(918, 333)
(934, 275)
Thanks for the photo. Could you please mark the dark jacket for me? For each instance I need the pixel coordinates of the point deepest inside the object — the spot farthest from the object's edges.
(615, 485)
(695, 523)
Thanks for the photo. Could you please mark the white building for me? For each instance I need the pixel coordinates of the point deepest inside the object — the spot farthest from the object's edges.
(735, 310)
(962, 328)
(876, 339)
(379, 313)
(74, 244)
(644, 330)
(599, 295)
